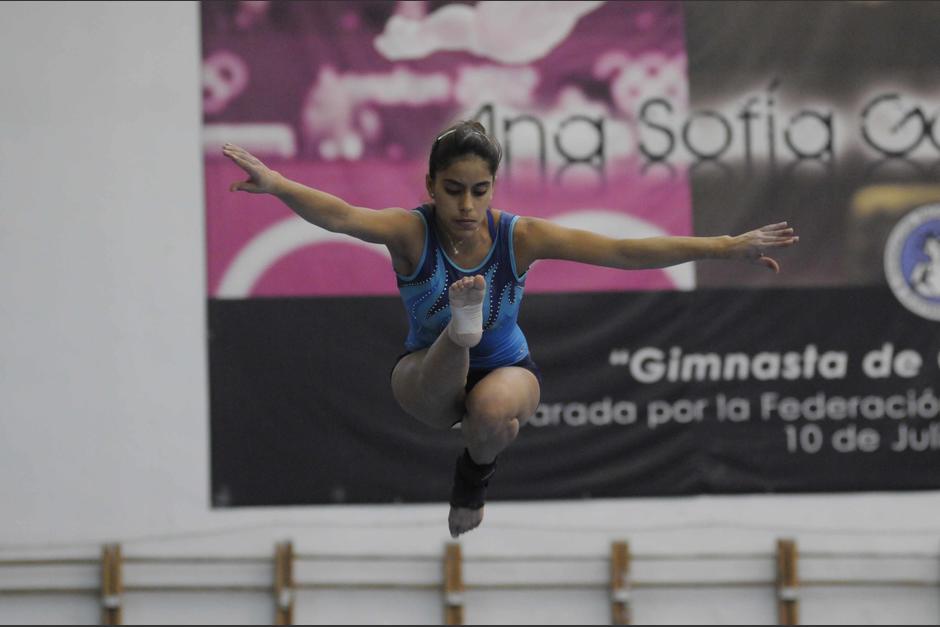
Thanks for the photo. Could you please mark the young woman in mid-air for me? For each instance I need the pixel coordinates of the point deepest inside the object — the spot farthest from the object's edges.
(461, 268)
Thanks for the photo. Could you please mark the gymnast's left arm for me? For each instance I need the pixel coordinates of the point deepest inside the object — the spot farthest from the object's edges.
(535, 239)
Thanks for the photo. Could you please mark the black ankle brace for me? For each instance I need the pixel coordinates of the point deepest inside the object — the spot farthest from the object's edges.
(470, 482)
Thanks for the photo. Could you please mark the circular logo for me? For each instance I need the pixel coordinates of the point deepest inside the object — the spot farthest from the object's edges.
(912, 261)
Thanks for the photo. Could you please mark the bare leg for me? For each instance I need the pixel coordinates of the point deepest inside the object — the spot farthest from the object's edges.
(496, 407)
(429, 384)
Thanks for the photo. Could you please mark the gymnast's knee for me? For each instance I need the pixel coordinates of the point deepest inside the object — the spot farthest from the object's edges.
(488, 419)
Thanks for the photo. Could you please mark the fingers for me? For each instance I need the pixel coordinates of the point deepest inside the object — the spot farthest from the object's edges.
(775, 236)
(243, 159)
(777, 242)
(239, 156)
(232, 149)
(243, 186)
(776, 229)
(769, 262)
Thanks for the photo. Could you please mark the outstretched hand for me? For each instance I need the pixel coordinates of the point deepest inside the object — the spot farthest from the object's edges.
(261, 179)
(753, 245)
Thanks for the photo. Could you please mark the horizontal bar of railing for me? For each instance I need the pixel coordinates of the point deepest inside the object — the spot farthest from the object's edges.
(517, 585)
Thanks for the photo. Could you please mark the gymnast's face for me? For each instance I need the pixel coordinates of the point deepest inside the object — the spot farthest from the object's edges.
(461, 193)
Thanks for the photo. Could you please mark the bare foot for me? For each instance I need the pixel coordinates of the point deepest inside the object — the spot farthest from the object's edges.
(466, 308)
(461, 520)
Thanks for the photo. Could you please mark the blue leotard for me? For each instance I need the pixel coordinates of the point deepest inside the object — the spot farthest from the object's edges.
(424, 293)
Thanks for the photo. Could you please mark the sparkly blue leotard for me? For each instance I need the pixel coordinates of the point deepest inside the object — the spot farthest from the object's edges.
(424, 293)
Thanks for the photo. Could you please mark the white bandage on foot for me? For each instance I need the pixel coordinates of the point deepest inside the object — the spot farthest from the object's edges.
(467, 318)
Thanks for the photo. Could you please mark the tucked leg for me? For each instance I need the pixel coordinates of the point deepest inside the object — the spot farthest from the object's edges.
(429, 384)
(496, 407)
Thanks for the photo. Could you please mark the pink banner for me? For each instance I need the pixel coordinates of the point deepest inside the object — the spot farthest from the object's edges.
(347, 98)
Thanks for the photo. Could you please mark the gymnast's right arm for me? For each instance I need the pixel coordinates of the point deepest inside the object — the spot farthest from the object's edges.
(386, 226)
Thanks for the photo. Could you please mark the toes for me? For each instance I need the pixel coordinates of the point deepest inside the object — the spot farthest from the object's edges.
(469, 282)
(461, 521)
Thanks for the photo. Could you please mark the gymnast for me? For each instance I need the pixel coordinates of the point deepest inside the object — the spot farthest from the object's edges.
(461, 268)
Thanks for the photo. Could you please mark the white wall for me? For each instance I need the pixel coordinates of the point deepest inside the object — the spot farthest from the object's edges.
(103, 387)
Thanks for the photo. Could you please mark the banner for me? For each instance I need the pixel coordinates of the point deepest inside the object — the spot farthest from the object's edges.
(628, 119)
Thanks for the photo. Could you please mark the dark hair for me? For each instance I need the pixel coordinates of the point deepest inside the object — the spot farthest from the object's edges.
(460, 140)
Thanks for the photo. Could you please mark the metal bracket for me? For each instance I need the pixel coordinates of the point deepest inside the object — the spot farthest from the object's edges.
(621, 595)
(285, 598)
(111, 601)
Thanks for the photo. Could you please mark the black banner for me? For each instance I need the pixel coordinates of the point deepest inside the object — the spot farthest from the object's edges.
(713, 391)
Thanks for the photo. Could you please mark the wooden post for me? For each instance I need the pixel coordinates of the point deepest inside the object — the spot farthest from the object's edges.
(112, 585)
(620, 583)
(284, 584)
(788, 602)
(453, 585)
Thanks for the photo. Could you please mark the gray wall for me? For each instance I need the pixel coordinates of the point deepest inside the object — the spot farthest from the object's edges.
(103, 420)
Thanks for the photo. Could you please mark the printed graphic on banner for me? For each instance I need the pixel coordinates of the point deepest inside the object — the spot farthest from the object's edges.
(628, 119)
(912, 261)
(707, 391)
(814, 113)
(348, 97)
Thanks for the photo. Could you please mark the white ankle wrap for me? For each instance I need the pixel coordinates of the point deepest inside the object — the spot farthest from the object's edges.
(467, 318)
